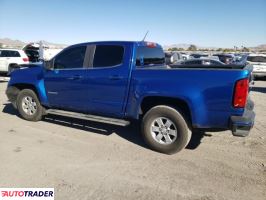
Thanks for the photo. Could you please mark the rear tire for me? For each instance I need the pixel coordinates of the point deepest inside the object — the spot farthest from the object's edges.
(29, 106)
(165, 130)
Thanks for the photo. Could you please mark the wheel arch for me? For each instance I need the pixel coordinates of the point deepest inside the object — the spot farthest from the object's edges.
(22, 86)
(180, 104)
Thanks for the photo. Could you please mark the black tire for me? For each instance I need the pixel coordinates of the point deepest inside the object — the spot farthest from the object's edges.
(183, 133)
(37, 115)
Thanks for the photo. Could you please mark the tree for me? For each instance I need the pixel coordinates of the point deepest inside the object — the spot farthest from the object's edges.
(228, 50)
(175, 49)
(192, 48)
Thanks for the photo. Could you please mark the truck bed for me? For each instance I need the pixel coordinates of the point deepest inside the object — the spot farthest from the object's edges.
(208, 90)
(232, 66)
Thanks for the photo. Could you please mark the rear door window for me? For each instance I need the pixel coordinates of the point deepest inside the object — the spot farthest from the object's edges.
(147, 56)
(108, 56)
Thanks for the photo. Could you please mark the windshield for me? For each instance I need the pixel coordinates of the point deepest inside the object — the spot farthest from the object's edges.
(261, 59)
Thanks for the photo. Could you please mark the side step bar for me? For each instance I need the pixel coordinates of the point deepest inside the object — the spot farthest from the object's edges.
(107, 120)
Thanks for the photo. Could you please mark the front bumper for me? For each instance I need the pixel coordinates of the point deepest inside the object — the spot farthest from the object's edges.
(241, 125)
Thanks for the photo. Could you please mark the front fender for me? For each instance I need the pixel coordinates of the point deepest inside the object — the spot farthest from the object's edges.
(30, 78)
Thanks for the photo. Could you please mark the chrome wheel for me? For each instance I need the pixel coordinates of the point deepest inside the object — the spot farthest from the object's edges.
(29, 105)
(163, 130)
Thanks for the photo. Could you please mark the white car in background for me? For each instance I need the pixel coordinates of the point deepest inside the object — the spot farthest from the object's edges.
(10, 58)
(185, 56)
(259, 64)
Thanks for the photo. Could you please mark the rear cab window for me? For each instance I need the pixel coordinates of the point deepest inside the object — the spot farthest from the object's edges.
(149, 56)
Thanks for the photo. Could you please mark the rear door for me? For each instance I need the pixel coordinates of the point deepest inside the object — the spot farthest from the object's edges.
(108, 79)
(67, 84)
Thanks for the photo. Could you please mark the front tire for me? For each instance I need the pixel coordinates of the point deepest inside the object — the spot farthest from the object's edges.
(29, 106)
(165, 130)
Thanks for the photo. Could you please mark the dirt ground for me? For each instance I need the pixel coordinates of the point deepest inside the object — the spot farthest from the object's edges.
(84, 160)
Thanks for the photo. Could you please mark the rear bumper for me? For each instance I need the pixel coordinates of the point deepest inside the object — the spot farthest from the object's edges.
(241, 125)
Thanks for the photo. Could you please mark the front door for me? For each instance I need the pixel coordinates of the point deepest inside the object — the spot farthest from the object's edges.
(66, 83)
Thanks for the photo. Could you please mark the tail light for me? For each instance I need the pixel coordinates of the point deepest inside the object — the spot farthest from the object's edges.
(241, 93)
(25, 59)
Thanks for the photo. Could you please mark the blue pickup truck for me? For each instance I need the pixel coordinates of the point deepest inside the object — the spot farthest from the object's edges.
(117, 82)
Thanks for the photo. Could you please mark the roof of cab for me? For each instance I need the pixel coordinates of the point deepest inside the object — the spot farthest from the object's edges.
(137, 43)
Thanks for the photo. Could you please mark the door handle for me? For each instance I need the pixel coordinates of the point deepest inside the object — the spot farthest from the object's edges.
(76, 77)
(116, 77)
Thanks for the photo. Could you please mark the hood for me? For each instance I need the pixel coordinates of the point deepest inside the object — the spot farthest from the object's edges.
(26, 66)
(27, 73)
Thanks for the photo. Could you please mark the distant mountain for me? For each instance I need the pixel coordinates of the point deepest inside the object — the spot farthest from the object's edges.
(260, 47)
(185, 46)
(10, 43)
(55, 45)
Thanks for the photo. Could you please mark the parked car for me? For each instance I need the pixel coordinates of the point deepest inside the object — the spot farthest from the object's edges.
(238, 57)
(197, 55)
(185, 56)
(117, 82)
(10, 58)
(32, 51)
(258, 61)
(225, 58)
(40, 52)
(197, 61)
(172, 57)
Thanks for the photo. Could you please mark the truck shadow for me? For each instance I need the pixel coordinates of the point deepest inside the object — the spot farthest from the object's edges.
(131, 133)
